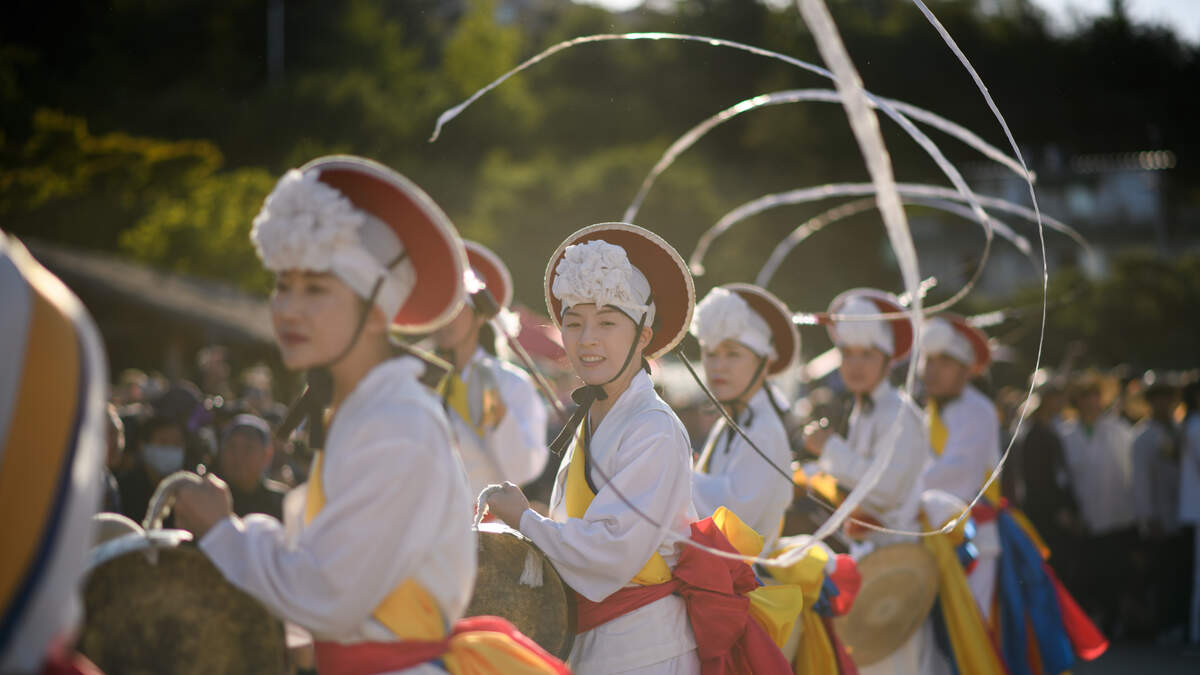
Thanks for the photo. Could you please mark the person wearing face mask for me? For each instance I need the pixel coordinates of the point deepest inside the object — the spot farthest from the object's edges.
(380, 563)
(160, 452)
(498, 419)
(53, 382)
(242, 462)
(622, 502)
(746, 334)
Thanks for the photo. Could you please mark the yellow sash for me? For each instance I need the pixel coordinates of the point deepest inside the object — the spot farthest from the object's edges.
(815, 653)
(409, 611)
(454, 391)
(973, 648)
(578, 496)
(939, 434)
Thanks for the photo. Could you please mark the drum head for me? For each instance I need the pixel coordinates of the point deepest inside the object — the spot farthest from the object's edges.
(179, 616)
(899, 585)
(545, 613)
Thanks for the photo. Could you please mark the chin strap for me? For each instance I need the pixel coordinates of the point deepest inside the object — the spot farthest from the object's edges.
(588, 394)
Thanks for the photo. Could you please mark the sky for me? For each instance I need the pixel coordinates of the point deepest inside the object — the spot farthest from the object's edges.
(1182, 15)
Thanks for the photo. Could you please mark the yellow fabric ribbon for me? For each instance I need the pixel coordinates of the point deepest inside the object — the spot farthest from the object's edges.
(775, 608)
(973, 649)
(578, 496)
(939, 434)
(814, 654)
(455, 392)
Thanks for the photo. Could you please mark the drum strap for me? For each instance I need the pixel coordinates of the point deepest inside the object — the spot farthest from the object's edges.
(409, 611)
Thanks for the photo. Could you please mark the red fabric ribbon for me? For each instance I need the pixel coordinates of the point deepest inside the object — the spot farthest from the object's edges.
(370, 658)
(846, 664)
(1087, 640)
(847, 579)
(986, 512)
(714, 589)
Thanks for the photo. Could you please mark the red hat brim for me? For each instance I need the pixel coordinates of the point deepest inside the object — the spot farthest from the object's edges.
(670, 281)
(784, 336)
(432, 244)
(977, 338)
(492, 271)
(902, 329)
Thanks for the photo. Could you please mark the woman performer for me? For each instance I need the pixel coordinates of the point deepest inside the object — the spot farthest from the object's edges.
(622, 498)
(746, 334)
(385, 560)
(881, 415)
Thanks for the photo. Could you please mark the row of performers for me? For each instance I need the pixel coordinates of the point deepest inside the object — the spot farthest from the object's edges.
(378, 559)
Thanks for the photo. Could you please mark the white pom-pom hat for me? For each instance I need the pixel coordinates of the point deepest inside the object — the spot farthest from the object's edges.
(491, 270)
(752, 316)
(950, 334)
(588, 267)
(371, 227)
(892, 336)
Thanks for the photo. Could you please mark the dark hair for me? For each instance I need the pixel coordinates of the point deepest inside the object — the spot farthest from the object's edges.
(147, 428)
(1191, 396)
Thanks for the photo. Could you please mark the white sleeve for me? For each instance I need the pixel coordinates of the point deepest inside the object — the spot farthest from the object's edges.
(518, 443)
(903, 473)
(601, 552)
(384, 504)
(745, 485)
(964, 463)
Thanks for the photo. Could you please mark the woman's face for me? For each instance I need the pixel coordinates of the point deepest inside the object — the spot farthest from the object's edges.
(863, 368)
(314, 315)
(728, 369)
(598, 340)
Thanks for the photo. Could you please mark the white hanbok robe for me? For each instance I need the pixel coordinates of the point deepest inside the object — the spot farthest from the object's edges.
(1101, 466)
(895, 500)
(642, 447)
(741, 480)
(396, 507)
(971, 453)
(515, 449)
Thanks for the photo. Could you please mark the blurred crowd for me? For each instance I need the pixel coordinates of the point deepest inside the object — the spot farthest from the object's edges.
(1097, 463)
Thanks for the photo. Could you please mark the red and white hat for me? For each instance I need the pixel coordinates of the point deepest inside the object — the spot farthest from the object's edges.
(950, 334)
(53, 386)
(892, 336)
(627, 267)
(751, 316)
(374, 229)
(491, 270)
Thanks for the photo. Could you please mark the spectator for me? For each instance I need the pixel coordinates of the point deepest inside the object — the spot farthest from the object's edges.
(1042, 481)
(1189, 497)
(160, 452)
(1156, 465)
(116, 450)
(245, 456)
(1098, 447)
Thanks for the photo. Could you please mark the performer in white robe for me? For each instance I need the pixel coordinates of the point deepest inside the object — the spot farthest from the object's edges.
(964, 431)
(385, 555)
(607, 285)
(498, 419)
(746, 334)
(881, 415)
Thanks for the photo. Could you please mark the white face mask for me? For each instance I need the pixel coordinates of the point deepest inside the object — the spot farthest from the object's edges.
(164, 459)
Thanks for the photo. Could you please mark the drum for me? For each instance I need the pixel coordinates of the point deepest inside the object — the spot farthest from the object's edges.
(517, 582)
(899, 586)
(155, 604)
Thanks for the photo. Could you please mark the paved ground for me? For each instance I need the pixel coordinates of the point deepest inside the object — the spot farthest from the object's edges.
(1144, 659)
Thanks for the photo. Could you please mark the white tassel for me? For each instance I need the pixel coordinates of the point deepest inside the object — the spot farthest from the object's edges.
(531, 576)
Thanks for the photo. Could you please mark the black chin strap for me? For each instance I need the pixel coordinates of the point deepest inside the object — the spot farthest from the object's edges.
(588, 394)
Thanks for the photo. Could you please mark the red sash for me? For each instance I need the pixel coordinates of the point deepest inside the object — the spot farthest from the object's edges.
(370, 658)
(714, 589)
